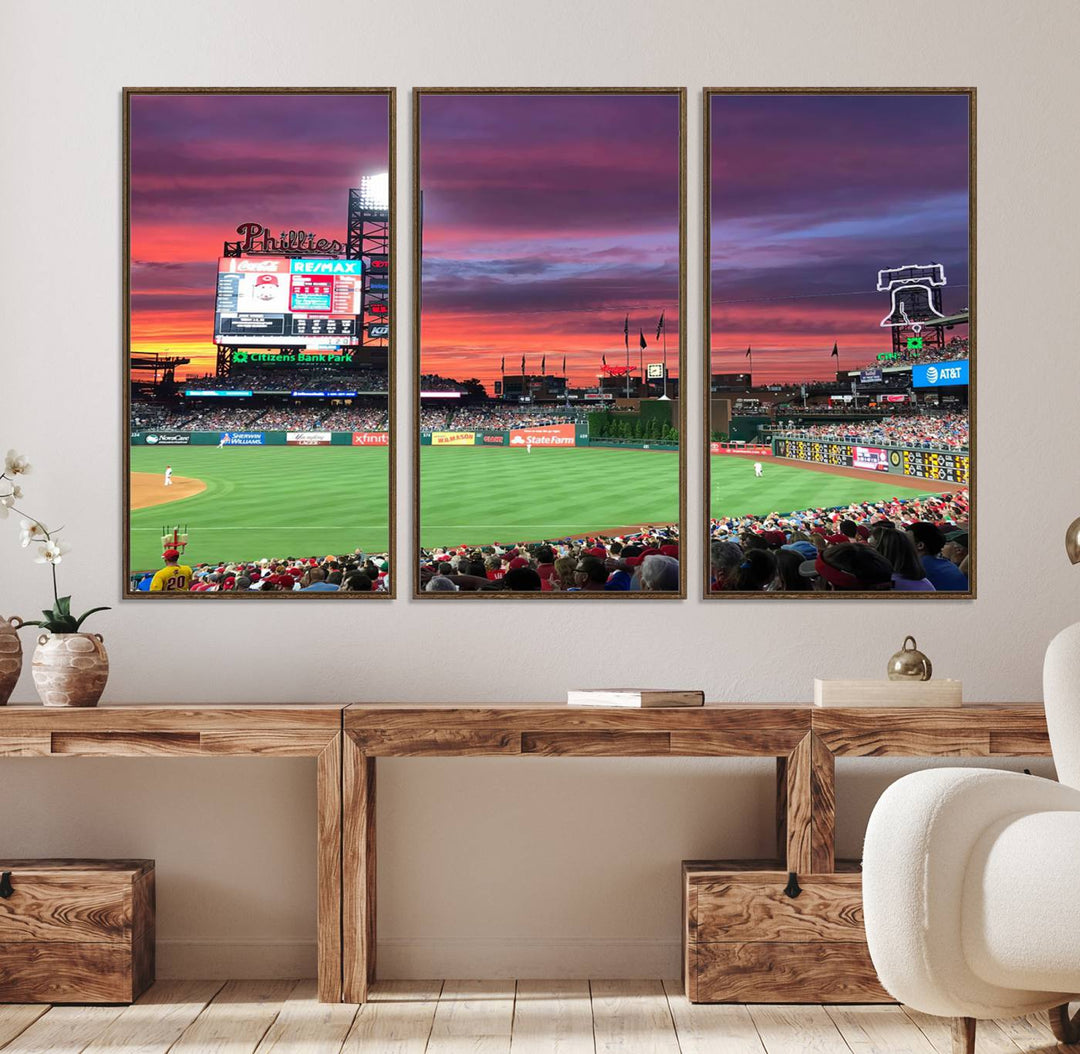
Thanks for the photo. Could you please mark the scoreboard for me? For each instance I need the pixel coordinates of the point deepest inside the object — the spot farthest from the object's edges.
(840, 454)
(272, 301)
(943, 466)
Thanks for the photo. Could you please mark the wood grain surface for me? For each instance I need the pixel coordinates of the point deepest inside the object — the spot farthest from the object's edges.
(752, 906)
(786, 972)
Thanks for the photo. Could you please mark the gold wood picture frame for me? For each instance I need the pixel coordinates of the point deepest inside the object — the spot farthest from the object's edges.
(809, 194)
(548, 222)
(259, 343)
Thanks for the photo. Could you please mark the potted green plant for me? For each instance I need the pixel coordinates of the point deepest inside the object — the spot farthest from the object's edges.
(70, 668)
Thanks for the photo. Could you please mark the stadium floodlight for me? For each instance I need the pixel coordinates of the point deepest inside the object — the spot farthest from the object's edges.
(375, 192)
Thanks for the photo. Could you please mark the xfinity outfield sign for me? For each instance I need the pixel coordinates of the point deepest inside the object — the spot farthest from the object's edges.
(940, 374)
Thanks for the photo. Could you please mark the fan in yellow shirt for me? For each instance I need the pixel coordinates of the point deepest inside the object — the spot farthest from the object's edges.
(174, 577)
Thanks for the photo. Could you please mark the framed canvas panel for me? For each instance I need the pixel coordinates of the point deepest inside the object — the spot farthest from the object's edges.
(258, 343)
(839, 343)
(550, 328)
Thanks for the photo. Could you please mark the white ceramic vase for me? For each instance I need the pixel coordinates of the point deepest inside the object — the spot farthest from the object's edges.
(70, 669)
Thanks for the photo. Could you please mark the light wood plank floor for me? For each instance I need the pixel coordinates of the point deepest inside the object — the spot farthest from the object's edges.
(484, 1017)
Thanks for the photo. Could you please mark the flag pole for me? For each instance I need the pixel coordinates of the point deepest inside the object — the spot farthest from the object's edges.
(626, 341)
(665, 360)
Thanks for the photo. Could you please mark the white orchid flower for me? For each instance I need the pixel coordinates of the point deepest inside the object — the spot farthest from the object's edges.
(52, 552)
(16, 464)
(8, 500)
(31, 531)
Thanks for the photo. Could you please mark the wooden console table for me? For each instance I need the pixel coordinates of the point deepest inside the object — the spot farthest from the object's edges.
(347, 740)
(805, 740)
(207, 730)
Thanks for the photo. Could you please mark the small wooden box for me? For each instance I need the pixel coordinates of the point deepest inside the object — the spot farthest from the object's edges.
(76, 931)
(940, 693)
(746, 940)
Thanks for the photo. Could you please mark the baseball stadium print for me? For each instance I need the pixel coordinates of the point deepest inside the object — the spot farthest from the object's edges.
(259, 342)
(840, 343)
(550, 260)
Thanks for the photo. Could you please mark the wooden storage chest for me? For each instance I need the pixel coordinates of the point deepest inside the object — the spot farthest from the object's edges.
(76, 931)
(747, 940)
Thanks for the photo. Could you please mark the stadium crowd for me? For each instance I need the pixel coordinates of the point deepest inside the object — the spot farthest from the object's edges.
(301, 418)
(494, 417)
(314, 379)
(944, 431)
(646, 560)
(500, 417)
(908, 544)
(955, 348)
(355, 572)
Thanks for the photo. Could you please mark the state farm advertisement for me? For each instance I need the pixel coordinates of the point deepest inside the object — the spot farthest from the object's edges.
(870, 457)
(453, 438)
(543, 435)
(307, 438)
(370, 438)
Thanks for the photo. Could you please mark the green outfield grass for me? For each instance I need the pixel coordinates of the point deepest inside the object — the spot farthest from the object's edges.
(270, 501)
(788, 487)
(478, 495)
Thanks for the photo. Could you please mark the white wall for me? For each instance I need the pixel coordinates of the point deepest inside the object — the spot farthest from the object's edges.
(488, 865)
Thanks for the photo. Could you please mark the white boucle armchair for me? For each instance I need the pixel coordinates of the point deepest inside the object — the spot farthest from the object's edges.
(971, 880)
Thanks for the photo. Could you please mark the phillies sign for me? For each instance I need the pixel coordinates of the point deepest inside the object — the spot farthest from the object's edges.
(255, 239)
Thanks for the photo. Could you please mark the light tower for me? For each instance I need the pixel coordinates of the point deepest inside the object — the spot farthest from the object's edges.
(368, 239)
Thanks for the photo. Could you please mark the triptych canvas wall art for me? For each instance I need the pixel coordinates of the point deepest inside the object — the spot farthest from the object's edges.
(259, 353)
(549, 290)
(549, 343)
(840, 352)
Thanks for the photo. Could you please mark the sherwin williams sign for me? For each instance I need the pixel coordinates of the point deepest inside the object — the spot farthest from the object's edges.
(242, 439)
(940, 374)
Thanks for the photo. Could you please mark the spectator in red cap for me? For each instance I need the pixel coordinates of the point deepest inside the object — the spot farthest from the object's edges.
(849, 568)
(174, 577)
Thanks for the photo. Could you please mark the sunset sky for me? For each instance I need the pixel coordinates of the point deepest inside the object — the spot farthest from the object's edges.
(811, 196)
(547, 219)
(201, 164)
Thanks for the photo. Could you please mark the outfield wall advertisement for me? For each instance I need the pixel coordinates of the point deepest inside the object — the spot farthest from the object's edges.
(544, 435)
(307, 438)
(943, 466)
(540, 436)
(224, 439)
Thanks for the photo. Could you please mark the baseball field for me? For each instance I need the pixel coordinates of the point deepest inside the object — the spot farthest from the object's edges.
(254, 502)
(479, 495)
(786, 486)
(245, 503)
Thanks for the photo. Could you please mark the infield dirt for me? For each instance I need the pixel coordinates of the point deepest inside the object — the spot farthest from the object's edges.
(148, 488)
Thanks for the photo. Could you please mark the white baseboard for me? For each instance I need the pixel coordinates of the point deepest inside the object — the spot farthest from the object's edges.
(418, 958)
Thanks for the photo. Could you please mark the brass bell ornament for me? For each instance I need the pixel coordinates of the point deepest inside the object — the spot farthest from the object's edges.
(909, 664)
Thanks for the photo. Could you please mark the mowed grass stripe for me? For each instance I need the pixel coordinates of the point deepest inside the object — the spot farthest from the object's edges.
(267, 501)
(785, 488)
(478, 495)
